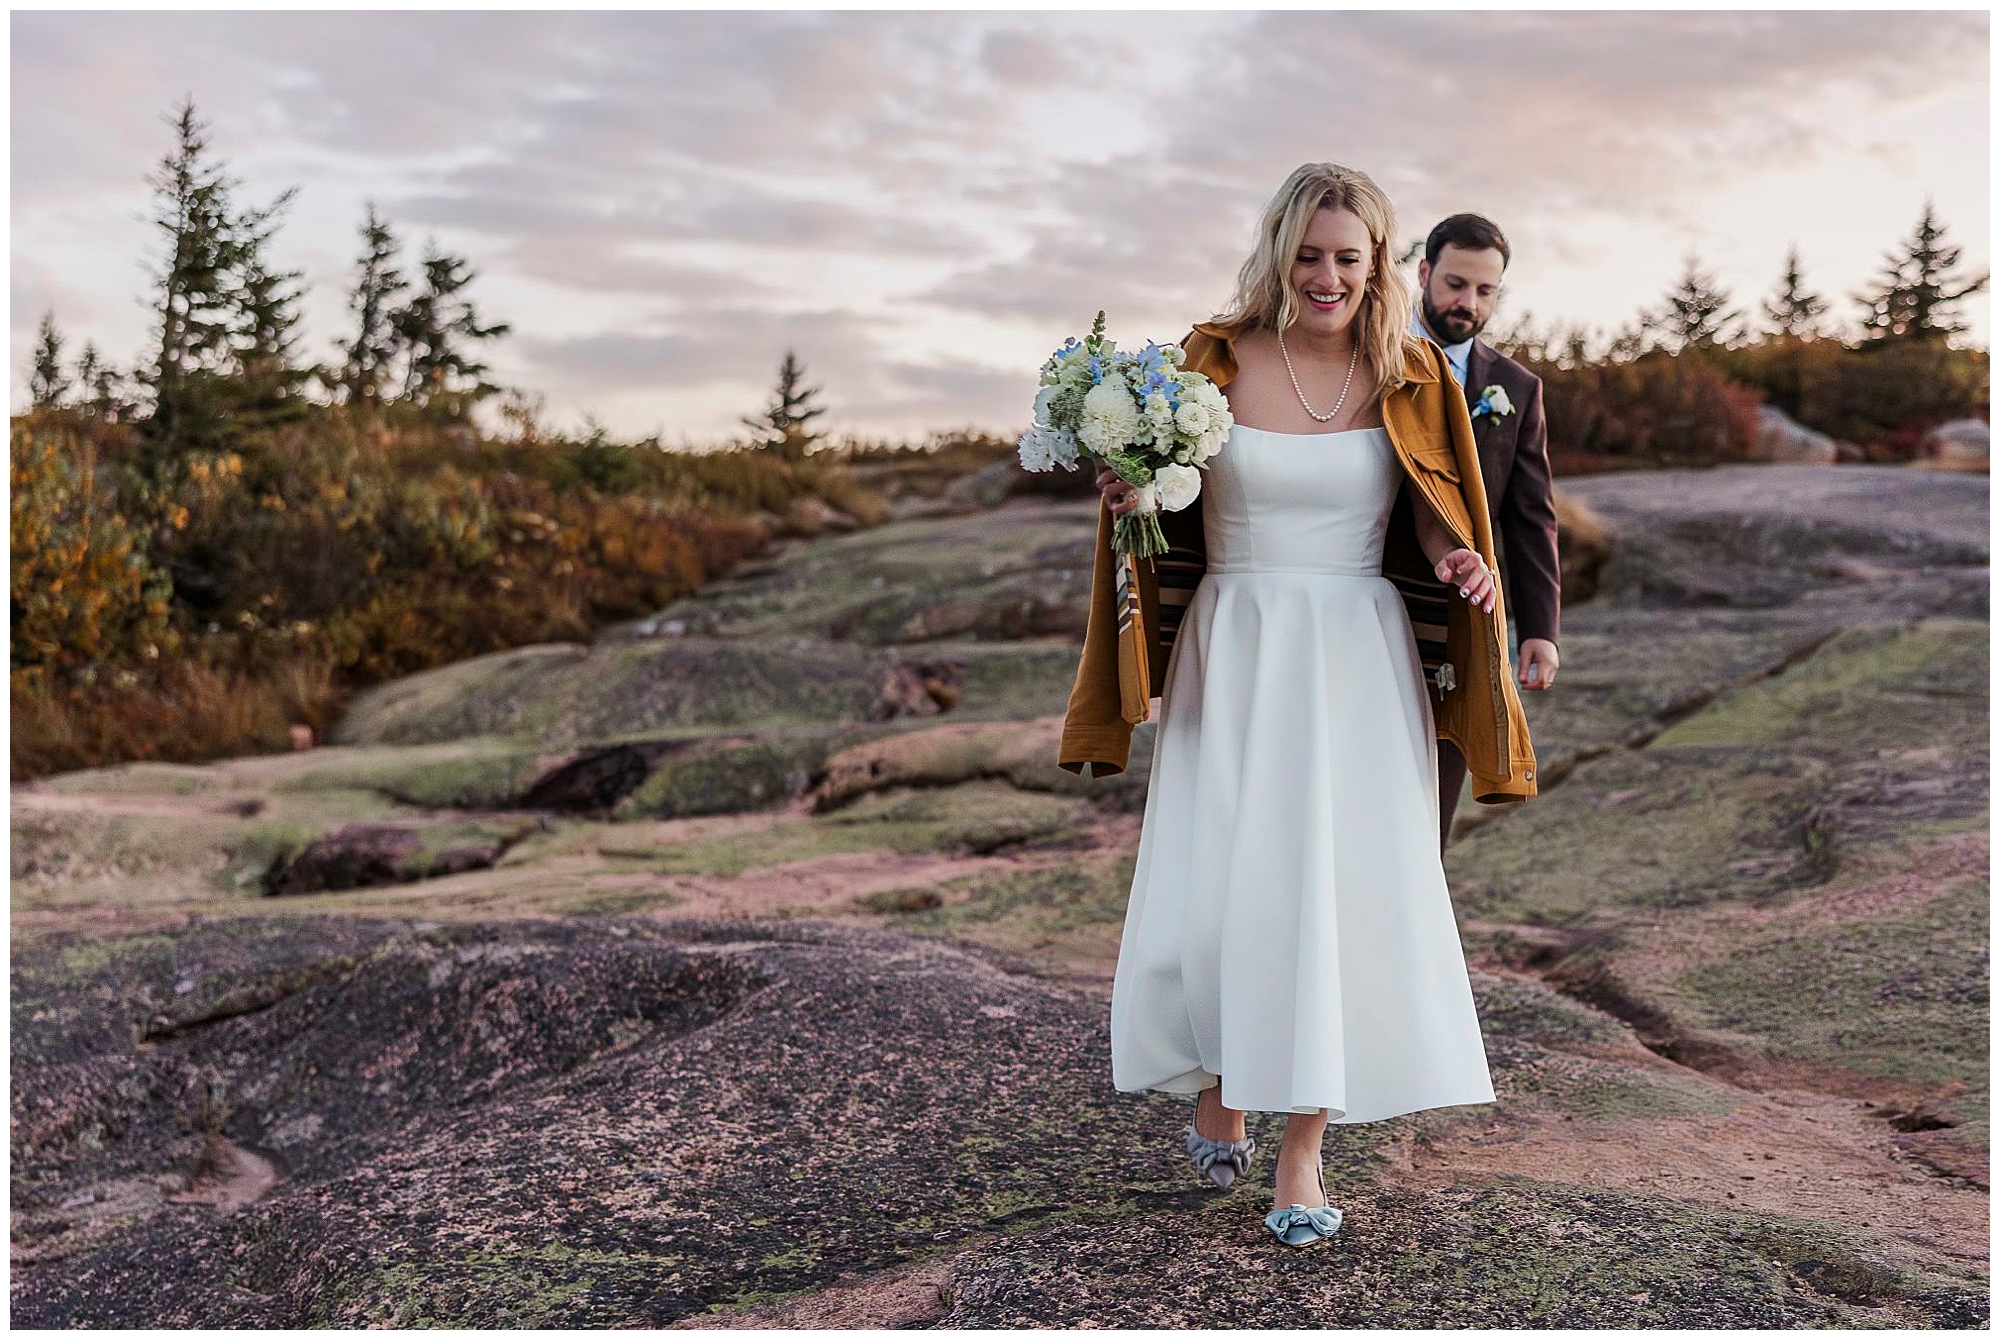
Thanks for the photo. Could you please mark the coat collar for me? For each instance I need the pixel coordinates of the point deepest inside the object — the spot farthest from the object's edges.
(1416, 367)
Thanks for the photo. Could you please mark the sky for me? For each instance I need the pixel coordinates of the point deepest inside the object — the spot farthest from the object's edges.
(922, 205)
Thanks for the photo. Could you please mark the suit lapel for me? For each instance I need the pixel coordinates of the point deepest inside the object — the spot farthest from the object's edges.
(1478, 371)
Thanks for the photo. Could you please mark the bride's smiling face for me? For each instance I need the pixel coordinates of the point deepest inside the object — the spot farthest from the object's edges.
(1330, 272)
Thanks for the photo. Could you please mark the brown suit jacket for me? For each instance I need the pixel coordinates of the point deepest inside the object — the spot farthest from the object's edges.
(1514, 459)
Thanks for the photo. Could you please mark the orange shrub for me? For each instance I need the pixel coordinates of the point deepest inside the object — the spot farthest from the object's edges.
(85, 597)
(268, 579)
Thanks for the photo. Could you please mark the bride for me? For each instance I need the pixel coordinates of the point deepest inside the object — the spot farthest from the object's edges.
(1289, 944)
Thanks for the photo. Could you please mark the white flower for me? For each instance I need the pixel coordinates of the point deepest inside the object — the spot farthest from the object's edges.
(1110, 419)
(1209, 396)
(1074, 371)
(1035, 453)
(1043, 448)
(1496, 399)
(1062, 447)
(1447, 678)
(1044, 398)
(1192, 417)
(1178, 485)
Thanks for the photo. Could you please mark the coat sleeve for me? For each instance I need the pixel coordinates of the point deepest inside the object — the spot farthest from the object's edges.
(1095, 730)
(1528, 529)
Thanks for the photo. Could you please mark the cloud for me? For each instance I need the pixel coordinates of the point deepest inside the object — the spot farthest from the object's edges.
(705, 346)
(945, 394)
(1134, 237)
(1027, 60)
(666, 200)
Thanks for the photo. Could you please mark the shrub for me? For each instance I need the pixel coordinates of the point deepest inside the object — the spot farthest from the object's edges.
(1884, 396)
(85, 596)
(278, 573)
(1656, 409)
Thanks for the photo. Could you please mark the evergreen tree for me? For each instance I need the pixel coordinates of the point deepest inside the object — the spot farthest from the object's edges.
(1915, 289)
(193, 303)
(101, 385)
(1793, 311)
(266, 318)
(47, 382)
(367, 359)
(784, 426)
(89, 368)
(437, 329)
(1696, 314)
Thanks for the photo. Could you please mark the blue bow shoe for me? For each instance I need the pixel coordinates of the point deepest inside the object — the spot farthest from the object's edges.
(1223, 1161)
(1298, 1225)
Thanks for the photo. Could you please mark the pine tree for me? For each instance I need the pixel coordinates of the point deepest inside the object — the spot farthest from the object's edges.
(367, 359)
(1696, 314)
(266, 317)
(783, 426)
(47, 382)
(193, 302)
(1915, 288)
(89, 367)
(1794, 312)
(100, 383)
(437, 329)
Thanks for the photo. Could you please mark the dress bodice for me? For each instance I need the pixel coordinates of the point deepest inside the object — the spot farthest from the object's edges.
(1304, 502)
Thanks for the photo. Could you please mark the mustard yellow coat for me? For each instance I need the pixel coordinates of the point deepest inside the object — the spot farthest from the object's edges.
(1135, 605)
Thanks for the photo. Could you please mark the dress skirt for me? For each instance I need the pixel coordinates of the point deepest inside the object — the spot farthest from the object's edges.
(1289, 927)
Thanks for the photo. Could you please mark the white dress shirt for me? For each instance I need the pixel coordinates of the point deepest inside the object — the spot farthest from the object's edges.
(1455, 354)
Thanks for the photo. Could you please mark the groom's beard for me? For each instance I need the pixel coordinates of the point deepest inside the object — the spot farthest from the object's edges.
(1453, 328)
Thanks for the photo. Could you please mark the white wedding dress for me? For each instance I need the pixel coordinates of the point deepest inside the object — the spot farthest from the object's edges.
(1289, 926)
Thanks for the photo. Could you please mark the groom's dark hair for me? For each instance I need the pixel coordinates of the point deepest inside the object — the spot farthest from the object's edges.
(1471, 231)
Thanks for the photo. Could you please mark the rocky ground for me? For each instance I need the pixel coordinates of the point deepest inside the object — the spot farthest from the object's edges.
(749, 967)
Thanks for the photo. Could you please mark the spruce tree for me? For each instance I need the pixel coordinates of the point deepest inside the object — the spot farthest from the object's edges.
(1696, 314)
(99, 383)
(47, 382)
(369, 356)
(1793, 311)
(784, 425)
(193, 303)
(266, 316)
(437, 329)
(1915, 288)
(89, 367)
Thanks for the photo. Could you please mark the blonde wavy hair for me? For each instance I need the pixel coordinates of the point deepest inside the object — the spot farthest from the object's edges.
(1264, 299)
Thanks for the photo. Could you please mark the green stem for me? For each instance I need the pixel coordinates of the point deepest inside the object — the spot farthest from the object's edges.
(1139, 533)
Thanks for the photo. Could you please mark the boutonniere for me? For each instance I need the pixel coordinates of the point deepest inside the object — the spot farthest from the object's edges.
(1447, 678)
(1493, 400)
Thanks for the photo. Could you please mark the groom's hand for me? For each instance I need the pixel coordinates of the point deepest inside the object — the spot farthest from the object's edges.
(1538, 662)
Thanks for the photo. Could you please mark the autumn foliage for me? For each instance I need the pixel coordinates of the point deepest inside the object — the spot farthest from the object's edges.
(254, 588)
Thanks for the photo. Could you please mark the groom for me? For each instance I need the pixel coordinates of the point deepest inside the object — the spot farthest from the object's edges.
(1457, 282)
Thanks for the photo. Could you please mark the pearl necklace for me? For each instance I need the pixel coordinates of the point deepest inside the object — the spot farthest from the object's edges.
(1327, 417)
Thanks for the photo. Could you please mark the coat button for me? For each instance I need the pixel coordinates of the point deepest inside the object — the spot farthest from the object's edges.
(1531, 774)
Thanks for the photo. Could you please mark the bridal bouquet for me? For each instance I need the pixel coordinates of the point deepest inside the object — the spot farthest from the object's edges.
(1138, 414)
